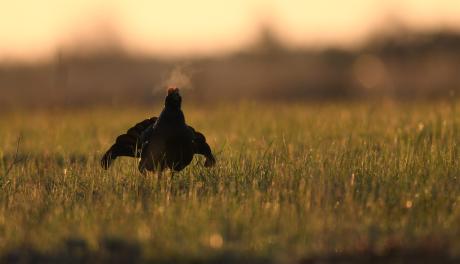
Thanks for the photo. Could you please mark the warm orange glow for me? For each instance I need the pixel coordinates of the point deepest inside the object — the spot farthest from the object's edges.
(34, 29)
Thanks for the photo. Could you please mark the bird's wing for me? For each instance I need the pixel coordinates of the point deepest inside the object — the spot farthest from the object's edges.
(201, 147)
(131, 143)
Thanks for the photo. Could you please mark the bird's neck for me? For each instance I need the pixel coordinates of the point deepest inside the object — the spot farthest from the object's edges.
(169, 107)
(172, 114)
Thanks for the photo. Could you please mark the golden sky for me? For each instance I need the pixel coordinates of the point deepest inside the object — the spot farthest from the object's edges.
(36, 29)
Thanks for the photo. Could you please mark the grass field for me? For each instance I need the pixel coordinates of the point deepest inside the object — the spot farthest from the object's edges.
(292, 183)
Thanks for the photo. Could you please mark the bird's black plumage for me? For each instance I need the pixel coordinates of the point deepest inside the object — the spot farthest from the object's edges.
(163, 142)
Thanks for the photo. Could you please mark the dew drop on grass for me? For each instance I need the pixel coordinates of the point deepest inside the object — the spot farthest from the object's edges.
(409, 204)
(216, 241)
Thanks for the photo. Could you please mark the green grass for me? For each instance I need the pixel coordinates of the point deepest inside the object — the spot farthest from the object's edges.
(292, 181)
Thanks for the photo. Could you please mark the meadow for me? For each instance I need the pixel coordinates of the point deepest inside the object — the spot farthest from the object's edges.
(293, 183)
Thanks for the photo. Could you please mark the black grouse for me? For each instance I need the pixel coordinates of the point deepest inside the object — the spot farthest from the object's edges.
(163, 142)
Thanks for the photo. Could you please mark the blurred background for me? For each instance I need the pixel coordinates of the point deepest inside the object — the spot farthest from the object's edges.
(67, 53)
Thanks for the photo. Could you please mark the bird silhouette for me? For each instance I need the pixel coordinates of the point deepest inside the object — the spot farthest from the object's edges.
(161, 142)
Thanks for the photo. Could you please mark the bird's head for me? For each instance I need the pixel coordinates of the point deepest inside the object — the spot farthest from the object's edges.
(173, 99)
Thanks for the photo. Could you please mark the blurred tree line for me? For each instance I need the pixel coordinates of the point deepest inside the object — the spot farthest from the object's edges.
(402, 65)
